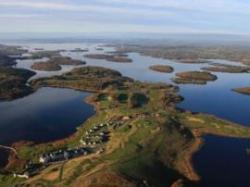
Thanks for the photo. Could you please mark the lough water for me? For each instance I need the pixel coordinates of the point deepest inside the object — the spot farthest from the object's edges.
(221, 162)
(214, 98)
(48, 114)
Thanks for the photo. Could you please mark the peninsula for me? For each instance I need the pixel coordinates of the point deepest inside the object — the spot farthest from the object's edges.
(12, 80)
(111, 58)
(137, 137)
(54, 64)
(227, 68)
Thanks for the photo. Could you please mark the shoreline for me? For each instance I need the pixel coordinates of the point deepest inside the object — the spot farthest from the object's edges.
(185, 167)
(190, 172)
(16, 145)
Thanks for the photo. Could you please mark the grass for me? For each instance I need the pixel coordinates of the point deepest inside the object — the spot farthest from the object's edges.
(9, 180)
(13, 83)
(46, 66)
(194, 77)
(244, 90)
(191, 53)
(12, 80)
(110, 57)
(53, 64)
(152, 146)
(227, 68)
(162, 68)
(45, 54)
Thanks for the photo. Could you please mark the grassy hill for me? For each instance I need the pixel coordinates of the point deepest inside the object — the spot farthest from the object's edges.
(150, 142)
(13, 83)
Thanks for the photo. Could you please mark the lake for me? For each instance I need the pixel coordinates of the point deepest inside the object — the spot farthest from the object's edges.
(220, 157)
(46, 115)
(223, 162)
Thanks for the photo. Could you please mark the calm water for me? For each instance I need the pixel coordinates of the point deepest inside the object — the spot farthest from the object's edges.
(48, 114)
(214, 98)
(62, 46)
(221, 162)
(218, 99)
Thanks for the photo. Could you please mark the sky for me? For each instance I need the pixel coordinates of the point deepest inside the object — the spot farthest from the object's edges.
(128, 16)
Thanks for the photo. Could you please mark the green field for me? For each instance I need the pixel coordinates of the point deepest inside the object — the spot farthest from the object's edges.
(151, 145)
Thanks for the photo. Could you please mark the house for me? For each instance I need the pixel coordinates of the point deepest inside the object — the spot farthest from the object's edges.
(102, 134)
(44, 158)
(126, 118)
(62, 155)
(83, 142)
(24, 176)
(31, 170)
(96, 128)
(100, 151)
(57, 156)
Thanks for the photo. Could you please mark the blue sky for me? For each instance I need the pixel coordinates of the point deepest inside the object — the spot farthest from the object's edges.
(114, 16)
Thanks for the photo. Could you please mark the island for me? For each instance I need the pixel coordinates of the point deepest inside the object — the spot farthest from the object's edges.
(224, 68)
(79, 50)
(118, 53)
(38, 49)
(66, 61)
(89, 78)
(111, 58)
(99, 49)
(179, 52)
(194, 77)
(12, 51)
(44, 54)
(162, 68)
(192, 61)
(46, 66)
(245, 90)
(54, 64)
(136, 138)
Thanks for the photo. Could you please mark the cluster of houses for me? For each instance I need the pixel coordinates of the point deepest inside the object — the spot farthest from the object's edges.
(31, 169)
(48, 158)
(62, 155)
(96, 135)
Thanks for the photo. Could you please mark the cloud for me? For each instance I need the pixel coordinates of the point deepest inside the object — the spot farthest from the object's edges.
(18, 16)
(127, 15)
(219, 6)
(66, 6)
(136, 7)
(30, 4)
(99, 27)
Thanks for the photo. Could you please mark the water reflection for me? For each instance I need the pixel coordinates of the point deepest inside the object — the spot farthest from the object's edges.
(48, 114)
(222, 162)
